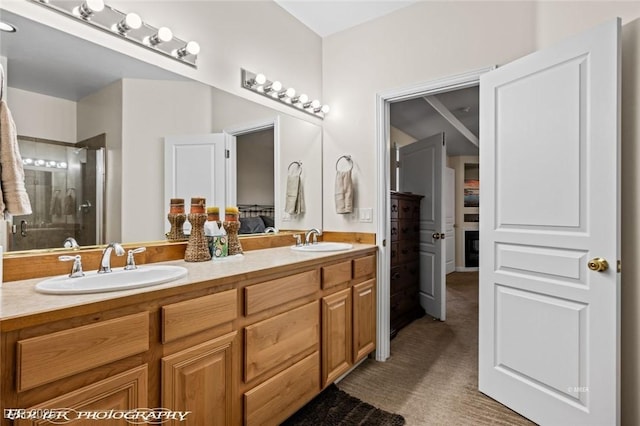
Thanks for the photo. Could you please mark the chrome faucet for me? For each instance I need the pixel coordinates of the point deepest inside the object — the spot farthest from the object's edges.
(270, 229)
(105, 262)
(313, 231)
(131, 263)
(76, 268)
(71, 243)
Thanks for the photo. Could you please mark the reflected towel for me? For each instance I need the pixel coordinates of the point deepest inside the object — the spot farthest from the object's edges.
(70, 202)
(344, 192)
(56, 203)
(14, 198)
(294, 203)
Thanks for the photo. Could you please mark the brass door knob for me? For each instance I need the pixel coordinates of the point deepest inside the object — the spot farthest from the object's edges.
(598, 264)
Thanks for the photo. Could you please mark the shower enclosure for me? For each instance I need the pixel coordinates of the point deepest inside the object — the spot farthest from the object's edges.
(65, 183)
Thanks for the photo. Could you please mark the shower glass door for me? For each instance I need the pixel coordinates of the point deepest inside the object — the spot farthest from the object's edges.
(66, 188)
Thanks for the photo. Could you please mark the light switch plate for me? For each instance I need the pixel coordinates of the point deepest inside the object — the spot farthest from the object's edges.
(365, 214)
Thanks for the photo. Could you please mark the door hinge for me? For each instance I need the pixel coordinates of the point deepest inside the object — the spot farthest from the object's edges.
(227, 154)
(397, 164)
(384, 242)
(619, 266)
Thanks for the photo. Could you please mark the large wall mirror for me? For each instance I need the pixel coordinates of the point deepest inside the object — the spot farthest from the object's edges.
(75, 102)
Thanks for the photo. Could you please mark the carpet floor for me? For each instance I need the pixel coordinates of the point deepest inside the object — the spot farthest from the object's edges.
(431, 377)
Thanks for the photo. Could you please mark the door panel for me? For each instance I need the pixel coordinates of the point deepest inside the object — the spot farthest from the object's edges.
(422, 172)
(195, 166)
(450, 219)
(549, 326)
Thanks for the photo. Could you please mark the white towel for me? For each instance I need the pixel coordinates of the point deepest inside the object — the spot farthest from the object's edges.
(294, 203)
(344, 192)
(14, 198)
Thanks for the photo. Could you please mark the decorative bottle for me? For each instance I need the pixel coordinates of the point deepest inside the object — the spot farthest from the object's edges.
(197, 247)
(176, 217)
(232, 225)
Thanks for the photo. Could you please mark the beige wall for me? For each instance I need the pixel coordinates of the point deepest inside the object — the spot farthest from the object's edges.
(41, 116)
(418, 43)
(151, 111)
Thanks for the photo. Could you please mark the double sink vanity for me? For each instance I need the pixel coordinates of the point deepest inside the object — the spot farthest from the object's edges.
(247, 340)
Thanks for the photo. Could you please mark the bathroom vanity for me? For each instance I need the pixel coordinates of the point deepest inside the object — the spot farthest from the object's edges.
(242, 341)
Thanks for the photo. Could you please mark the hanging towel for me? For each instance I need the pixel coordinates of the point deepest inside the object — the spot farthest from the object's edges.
(344, 192)
(56, 203)
(70, 202)
(14, 198)
(294, 203)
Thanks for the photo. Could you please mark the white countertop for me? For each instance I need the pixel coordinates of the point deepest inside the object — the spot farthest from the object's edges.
(19, 298)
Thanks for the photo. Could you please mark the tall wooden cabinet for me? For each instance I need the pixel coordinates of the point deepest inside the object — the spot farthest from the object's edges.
(405, 262)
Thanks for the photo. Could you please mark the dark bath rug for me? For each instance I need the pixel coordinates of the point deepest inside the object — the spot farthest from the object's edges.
(333, 407)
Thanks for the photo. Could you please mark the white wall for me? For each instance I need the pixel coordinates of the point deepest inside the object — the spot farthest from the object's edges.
(152, 110)
(42, 116)
(101, 112)
(418, 43)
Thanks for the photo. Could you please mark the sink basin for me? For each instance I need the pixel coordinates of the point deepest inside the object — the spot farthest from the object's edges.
(323, 246)
(117, 280)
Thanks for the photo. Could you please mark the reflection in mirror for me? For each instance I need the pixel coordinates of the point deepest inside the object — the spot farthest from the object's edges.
(66, 89)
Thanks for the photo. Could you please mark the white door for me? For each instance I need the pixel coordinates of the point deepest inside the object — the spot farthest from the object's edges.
(422, 172)
(549, 181)
(194, 166)
(450, 219)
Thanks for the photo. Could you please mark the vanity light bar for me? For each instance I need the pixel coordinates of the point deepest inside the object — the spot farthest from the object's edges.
(128, 26)
(259, 83)
(44, 163)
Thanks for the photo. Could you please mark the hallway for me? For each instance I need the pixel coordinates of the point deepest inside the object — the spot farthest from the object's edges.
(431, 377)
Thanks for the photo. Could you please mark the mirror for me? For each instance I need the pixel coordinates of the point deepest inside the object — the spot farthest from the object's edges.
(62, 88)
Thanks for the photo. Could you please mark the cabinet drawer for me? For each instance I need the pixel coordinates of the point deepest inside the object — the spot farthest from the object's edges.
(406, 209)
(44, 359)
(279, 397)
(191, 316)
(333, 275)
(269, 294)
(273, 342)
(395, 253)
(364, 266)
(122, 392)
(408, 251)
(409, 230)
(395, 207)
(406, 275)
(395, 231)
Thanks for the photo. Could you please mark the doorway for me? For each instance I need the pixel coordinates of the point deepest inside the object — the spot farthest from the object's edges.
(385, 102)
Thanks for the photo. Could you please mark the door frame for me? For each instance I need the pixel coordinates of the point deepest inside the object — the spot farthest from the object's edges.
(383, 184)
(231, 134)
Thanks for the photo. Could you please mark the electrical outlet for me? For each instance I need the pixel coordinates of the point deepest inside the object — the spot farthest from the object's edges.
(365, 215)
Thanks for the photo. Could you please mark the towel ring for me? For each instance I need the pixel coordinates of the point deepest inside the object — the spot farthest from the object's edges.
(348, 158)
(297, 163)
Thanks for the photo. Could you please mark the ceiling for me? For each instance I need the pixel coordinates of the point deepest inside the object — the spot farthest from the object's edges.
(327, 17)
(417, 118)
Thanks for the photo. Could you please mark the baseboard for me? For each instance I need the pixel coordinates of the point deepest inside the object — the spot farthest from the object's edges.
(466, 269)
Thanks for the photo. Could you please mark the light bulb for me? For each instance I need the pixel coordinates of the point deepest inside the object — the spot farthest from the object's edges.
(39, 162)
(130, 22)
(27, 161)
(191, 48)
(325, 109)
(302, 99)
(61, 165)
(277, 86)
(315, 104)
(290, 92)
(88, 8)
(163, 35)
(260, 79)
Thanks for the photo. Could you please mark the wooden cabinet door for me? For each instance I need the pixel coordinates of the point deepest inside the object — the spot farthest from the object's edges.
(364, 319)
(122, 392)
(199, 380)
(336, 335)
